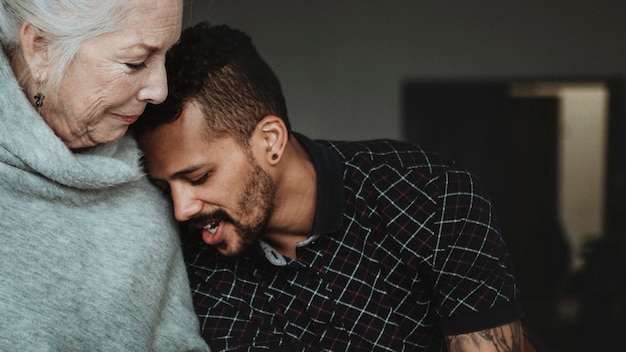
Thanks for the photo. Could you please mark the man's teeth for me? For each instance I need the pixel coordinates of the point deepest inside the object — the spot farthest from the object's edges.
(212, 227)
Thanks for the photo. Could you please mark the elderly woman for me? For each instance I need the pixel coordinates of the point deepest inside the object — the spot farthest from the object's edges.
(89, 256)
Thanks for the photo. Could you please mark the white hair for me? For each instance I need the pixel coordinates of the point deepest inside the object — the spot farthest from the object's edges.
(64, 25)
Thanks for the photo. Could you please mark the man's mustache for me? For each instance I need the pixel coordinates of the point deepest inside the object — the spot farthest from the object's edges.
(201, 220)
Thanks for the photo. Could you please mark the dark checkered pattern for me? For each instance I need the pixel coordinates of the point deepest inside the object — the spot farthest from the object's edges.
(416, 255)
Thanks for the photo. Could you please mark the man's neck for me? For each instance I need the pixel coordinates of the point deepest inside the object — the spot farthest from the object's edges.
(294, 202)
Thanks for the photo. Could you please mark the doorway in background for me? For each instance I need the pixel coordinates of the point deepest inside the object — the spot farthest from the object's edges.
(551, 153)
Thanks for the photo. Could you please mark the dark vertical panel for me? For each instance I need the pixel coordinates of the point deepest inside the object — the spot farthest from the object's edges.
(532, 228)
(463, 121)
(616, 162)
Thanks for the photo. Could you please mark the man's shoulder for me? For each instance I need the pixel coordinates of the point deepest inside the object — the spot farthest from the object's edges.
(392, 153)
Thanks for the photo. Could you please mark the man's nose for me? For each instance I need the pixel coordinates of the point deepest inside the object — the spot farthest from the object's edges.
(186, 205)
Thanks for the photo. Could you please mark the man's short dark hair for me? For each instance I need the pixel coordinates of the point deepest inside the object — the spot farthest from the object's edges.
(219, 68)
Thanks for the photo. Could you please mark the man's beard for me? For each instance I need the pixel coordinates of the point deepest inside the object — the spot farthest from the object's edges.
(255, 201)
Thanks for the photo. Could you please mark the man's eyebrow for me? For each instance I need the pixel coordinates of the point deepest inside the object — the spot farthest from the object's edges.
(184, 172)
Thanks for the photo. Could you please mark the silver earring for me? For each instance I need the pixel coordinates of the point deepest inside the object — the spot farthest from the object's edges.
(39, 97)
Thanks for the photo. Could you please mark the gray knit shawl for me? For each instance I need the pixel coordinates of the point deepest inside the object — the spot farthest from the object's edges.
(89, 254)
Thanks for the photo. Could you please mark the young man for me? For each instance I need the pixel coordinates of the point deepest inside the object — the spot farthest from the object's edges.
(301, 245)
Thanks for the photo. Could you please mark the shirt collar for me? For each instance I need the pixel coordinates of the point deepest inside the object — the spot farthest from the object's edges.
(330, 198)
(330, 201)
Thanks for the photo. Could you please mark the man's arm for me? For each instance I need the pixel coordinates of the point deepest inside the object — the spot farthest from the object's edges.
(503, 338)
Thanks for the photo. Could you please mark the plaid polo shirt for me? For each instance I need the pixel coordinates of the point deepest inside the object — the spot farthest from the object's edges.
(404, 250)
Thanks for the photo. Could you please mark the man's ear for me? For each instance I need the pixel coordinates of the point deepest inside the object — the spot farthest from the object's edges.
(35, 50)
(272, 134)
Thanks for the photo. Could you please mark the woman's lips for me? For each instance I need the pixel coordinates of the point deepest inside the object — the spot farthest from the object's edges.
(128, 119)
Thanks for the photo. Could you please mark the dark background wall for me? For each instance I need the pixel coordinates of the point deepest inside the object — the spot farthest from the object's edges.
(342, 62)
(345, 67)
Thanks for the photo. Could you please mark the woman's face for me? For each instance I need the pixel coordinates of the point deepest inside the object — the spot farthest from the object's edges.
(113, 77)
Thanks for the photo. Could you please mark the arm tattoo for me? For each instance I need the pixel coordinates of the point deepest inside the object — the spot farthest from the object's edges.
(503, 338)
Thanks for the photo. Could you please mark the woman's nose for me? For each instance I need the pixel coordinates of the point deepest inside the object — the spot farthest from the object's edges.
(154, 90)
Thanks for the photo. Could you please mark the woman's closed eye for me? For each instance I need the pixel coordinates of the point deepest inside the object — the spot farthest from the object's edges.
(136, 67)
